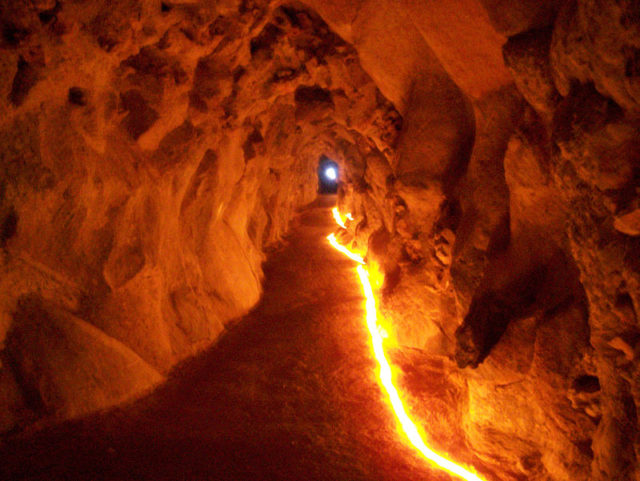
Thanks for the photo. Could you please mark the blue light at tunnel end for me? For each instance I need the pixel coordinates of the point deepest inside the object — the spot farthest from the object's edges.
(331, 174)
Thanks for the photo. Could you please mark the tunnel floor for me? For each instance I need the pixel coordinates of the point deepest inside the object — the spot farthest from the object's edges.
(288, 393)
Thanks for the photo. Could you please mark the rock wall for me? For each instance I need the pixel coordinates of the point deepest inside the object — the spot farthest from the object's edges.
(506, 221)
(489, 151)
(151, 152)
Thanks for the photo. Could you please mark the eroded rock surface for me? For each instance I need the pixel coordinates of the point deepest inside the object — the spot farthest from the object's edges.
(150, 153)
(153, 151)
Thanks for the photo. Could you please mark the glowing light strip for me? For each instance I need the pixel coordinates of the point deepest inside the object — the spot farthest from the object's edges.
(338, 217)
(353, 256)
(408, 426)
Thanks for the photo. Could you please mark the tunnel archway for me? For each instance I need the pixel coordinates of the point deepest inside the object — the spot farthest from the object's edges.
(148, 170)
(328, 176)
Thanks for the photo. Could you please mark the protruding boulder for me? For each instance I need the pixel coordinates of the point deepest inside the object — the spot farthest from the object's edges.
(628, 222)
(69, 366)
(527, 56)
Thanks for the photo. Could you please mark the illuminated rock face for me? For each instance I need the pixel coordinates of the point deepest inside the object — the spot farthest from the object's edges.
(151, 151)
(508, 233)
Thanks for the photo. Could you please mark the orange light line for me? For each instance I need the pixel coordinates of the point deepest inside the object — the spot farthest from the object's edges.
(338, 218)
(408, 426)
(352, 255)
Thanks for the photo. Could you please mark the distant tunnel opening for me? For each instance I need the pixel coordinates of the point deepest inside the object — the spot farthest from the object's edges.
(328, 176)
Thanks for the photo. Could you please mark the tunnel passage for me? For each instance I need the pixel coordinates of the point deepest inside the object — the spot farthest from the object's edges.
(478, 140)
(328, 176)
(142, 236)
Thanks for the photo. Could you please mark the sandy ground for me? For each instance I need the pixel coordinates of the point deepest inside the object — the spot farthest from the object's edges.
(288, 393)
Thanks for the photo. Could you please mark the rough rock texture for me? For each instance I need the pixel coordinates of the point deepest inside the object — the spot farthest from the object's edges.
(489, 154)
(518, 257)
(150, 153)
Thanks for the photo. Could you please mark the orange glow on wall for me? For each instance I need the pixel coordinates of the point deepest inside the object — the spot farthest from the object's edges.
(385, 375)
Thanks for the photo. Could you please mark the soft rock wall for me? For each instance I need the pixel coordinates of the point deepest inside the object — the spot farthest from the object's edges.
(151, 151)
(506, 223)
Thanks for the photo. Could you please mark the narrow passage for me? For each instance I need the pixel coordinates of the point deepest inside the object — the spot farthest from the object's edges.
(288, 393)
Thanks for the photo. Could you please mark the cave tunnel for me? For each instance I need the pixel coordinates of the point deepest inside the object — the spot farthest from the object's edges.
(180, 300)
(328, 176)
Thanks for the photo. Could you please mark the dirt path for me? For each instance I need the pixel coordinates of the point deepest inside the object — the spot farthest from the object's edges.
(287, 394)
